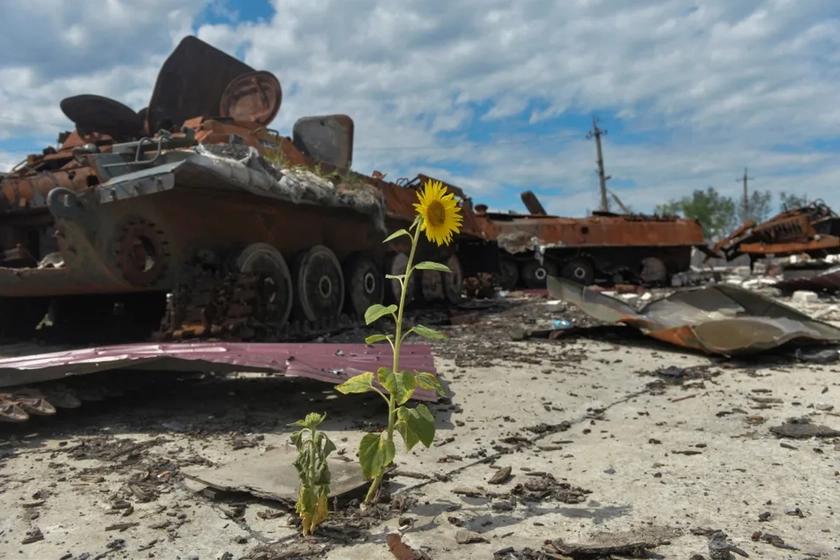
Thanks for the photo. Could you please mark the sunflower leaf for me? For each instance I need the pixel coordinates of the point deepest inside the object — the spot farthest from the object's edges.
(429, 265)
(377, 311)
(356, 384)
(430, 382)
(377, 338)
(396, 234)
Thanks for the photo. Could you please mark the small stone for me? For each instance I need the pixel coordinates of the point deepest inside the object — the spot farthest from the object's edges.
(501, 476)
(802, 296)
(464, 536)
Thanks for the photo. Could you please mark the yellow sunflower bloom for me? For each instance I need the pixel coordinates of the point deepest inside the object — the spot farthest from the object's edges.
(440, 213)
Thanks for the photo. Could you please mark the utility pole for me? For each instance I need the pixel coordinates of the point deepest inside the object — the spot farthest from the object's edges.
(746, 209)
(597, 133)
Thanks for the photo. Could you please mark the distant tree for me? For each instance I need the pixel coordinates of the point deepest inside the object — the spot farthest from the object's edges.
(788, 201)
(717, 214)
(758, 206)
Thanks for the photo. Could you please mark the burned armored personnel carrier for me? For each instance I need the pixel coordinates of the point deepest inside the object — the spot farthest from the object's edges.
(190, 218)
(603, 248)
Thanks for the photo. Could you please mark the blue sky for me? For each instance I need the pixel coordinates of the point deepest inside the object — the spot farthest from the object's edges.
(493, 96)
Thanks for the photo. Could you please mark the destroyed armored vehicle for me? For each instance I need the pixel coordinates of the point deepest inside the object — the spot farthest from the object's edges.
(603, 248)
(812, 230)
(191, 218)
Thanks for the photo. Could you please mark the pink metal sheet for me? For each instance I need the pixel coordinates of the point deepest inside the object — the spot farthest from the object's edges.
(331, 363)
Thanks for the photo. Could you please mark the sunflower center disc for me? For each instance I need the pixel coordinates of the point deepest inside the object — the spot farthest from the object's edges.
(436, 213)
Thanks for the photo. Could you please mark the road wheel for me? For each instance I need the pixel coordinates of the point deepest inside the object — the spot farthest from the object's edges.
(653, 271)
(579, 270)
(276, 289)
(431, 285)
(365, 283)
(319, 284)
(453, 282)
(509, 275)
(534, 274)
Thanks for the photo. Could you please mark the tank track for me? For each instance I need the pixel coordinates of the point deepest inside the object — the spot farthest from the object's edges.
(228, 305)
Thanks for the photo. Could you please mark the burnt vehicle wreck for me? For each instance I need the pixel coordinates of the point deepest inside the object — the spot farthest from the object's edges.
(603, 248)
(812, 230)
(190, 218)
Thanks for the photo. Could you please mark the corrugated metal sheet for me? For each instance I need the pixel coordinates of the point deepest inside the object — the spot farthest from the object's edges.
(331, 363)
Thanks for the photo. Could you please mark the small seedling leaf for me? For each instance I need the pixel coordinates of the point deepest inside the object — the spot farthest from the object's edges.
(376, 338)
(401, 384)
(419, 421)
(359, 384)
(430, 382)
(426, 332)
(377, 311)
(375, 453)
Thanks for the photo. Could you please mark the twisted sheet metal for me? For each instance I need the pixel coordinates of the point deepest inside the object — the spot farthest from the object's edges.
(330, 363)
(718, 319)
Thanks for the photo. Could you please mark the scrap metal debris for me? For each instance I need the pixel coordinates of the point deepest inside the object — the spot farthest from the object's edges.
(331, 363)
(825, 282)
(813, 230)
(716, 319)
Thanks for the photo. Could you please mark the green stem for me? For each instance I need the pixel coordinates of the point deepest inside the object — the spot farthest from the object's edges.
(397, 343)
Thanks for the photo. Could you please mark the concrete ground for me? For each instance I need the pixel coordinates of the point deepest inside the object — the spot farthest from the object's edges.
(598, 436)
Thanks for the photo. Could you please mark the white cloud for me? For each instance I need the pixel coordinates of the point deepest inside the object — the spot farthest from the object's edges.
(716, 87)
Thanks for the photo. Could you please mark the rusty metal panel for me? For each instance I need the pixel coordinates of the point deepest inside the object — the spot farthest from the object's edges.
(602, 231)
(331, 363)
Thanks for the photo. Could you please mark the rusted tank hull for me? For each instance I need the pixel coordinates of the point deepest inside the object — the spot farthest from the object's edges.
(640, 249)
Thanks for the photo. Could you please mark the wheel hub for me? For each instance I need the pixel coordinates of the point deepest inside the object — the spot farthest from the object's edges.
(369, 283)
(540, 273)
(325, 286)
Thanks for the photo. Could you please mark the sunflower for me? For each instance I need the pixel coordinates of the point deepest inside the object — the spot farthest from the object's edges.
(440, 213)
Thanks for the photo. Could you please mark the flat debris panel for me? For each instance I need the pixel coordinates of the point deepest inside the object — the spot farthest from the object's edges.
(331, 363)
(271, 475)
